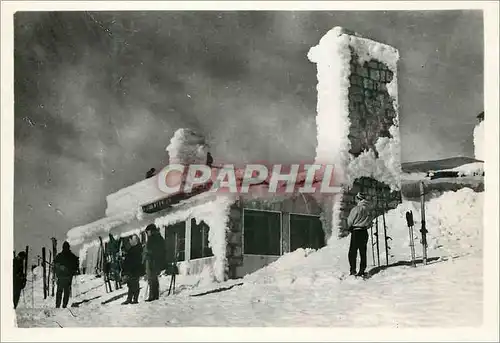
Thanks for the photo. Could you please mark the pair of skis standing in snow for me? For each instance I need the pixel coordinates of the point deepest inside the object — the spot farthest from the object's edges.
(358, 223)
(423, 229)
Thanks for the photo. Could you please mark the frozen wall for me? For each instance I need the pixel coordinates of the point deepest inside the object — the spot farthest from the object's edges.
(357, 115)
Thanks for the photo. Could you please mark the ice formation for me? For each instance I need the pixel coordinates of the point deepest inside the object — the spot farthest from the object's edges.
(479, 141)
(332, 57)
(215, 214)
(187, 147)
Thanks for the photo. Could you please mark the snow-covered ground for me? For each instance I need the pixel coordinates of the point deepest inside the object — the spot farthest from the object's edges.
(311, 288)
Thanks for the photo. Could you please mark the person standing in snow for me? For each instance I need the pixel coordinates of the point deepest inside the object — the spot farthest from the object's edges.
(66, 266)
(154, 260)
(358, 223)
(133, 269)
(19, 277)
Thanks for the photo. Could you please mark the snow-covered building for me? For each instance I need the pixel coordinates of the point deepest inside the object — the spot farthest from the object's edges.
(231, 235)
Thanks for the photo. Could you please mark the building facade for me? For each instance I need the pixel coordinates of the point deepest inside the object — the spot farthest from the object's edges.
(357, 132)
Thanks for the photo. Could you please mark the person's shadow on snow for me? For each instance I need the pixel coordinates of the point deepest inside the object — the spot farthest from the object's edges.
(377, 270)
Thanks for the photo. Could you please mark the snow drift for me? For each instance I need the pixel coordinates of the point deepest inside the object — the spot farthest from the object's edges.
(454, 221)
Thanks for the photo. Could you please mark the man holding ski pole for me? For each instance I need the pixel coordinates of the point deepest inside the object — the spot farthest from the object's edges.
(358, 223)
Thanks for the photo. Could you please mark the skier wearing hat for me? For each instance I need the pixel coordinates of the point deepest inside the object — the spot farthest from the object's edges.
(154, 260)
(358, 223)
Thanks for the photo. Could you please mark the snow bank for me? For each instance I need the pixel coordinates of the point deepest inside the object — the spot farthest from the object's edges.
(187, 147)
(215, 214)
(416, 176)
(469, 169)
(454, 222)
(479, 141)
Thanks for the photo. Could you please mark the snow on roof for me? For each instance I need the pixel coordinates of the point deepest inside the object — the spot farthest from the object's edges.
(79, 234)
(469, 169)
(133, 196)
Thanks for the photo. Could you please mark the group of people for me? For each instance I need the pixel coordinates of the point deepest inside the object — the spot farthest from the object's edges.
(150, 260)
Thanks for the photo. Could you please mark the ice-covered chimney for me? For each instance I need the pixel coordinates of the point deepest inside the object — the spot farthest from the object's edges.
(187, 147)
(357, 114)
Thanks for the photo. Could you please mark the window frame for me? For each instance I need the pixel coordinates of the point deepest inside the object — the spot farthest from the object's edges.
(304, 215)
(280, 230)
(205, 228)
(176, 239)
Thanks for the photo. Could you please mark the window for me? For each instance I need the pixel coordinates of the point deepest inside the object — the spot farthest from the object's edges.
(306, 232)
(262, 232)
(199, 240)
(175, 237)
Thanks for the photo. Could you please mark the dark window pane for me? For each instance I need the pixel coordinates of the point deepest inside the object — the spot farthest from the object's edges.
(207, 251)
(199, 240)
(196, 240)
(306, 232)
(175, 241)
(262, 232)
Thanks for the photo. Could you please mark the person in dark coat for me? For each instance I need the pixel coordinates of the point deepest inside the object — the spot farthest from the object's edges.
(19, 277)
(133, 269)
(154, 260)
(66, 266)
(358, 223)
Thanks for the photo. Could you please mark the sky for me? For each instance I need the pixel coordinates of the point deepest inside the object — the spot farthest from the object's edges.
(98, 96)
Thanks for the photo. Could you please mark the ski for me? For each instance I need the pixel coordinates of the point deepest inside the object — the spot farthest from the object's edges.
(423, 229)
(107, 282)
(410, 223)
(386, 238)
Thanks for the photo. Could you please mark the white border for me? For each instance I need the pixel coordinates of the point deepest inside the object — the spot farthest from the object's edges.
(489, 330)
